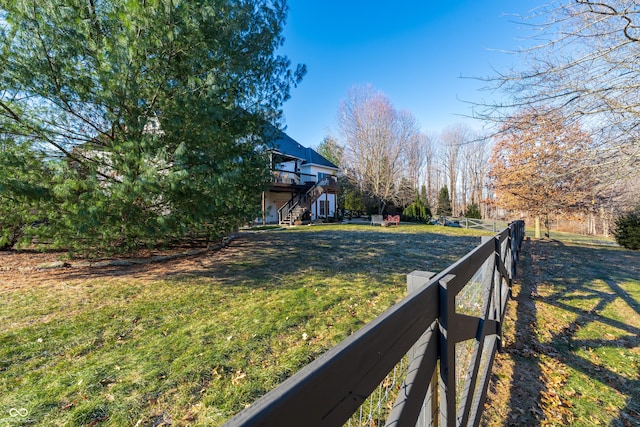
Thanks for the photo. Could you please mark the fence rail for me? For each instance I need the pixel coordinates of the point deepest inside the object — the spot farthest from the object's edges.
(478, 224)
(458, 309)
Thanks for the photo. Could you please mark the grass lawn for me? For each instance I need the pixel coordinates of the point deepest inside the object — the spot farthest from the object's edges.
(192, 341)
(572, 338)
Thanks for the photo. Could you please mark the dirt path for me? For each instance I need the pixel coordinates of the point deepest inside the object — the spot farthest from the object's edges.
(18, 269)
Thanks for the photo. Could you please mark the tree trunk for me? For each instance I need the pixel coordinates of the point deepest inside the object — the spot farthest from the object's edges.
(605, 221)
(537, 227)
(547, 227)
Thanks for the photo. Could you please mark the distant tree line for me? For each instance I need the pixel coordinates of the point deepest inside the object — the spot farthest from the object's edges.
(390, 165)
(564, 144)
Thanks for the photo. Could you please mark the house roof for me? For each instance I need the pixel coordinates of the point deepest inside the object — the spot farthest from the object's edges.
(284, 144)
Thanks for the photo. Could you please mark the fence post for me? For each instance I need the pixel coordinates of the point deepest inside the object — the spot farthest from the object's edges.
(430, 408)
(447, 354)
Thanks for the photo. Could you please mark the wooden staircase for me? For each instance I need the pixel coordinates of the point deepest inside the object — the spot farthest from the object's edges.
(298, 208)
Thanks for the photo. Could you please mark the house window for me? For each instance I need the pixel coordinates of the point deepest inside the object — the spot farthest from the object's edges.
(324, 208)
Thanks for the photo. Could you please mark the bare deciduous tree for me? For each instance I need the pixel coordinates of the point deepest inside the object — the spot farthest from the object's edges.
(429, 172)
(416, 149)
(452, 139)
(389, 159)
(584, 63)
(376, 141)
(475, 162)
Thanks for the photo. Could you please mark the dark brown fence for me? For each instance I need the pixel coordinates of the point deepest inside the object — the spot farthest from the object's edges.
(443, 335)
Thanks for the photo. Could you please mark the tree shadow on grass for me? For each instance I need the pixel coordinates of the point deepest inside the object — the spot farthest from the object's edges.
(576, 350)
(256, 258)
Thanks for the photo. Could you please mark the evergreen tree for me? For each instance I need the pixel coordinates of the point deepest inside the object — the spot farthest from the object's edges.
(627, 229)
(473, 211)
(137, 122)
(444, 203)
(331, 150)
(423, 195)
(425, 199)
(418, 211)
(353, 198)
(23, 193)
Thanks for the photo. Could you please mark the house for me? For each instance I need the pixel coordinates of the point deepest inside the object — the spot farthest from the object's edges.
(304, 186)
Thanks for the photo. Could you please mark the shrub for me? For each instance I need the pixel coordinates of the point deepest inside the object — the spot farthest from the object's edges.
(473, 211)
(418, 211)
(627, 229)
(444, 202)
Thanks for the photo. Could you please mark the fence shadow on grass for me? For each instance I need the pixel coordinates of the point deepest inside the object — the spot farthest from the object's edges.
(525, 387)
(588, 315)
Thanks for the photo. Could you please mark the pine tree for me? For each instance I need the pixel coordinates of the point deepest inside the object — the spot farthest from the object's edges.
(627, 229)
(418, 210)
(473, 211)
(444, 203)
(147, 118)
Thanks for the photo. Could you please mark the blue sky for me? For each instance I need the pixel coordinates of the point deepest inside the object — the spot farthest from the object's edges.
(418, 52)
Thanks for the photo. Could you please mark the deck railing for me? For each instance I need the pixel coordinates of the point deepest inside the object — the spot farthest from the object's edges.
(291, 178)
(443, 337)
(305, 198)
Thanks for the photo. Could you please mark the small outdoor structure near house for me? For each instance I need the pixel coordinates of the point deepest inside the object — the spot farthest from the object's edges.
(388, 220)
(304, 186)
(376, 220)
(392, 219)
